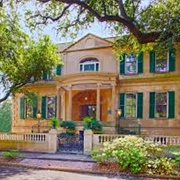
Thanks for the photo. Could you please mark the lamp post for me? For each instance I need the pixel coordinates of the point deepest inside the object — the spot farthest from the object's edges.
(38, 116)
(118, 114)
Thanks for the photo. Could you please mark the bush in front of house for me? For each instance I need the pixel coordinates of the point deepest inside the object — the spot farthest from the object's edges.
(11, 154)
(135, 155)
(69, 126)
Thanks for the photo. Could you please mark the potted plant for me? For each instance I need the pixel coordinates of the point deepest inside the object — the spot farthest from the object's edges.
(69, 126)
(93, 124)
(54, 123)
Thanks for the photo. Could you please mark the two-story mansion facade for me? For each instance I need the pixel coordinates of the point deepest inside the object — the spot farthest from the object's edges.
(93, 82)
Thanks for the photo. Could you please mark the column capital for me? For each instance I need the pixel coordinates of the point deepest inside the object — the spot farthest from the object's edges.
(113, 84)
(70, 87)
(99, 84)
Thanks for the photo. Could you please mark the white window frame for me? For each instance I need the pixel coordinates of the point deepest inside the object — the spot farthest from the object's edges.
(167, 112)
(167, 59)
(127, 72)
(89, 62)
(126, 106)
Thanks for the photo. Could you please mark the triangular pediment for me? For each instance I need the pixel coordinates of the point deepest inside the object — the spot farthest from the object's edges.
(90, 41)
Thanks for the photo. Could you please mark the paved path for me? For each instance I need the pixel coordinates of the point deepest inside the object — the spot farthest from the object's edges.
(7, 173)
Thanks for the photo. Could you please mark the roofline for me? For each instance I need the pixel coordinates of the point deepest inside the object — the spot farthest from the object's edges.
(83, 38)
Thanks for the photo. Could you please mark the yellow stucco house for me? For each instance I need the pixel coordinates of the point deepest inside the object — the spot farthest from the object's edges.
(92, 82)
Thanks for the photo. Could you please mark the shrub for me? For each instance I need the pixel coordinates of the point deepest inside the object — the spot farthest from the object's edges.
(11, 154)
(92, 123)
(68, 125)
(177, 158)
(135, 154)
(54, 122)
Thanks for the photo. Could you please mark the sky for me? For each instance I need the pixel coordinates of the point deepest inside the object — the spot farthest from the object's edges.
(97, 29)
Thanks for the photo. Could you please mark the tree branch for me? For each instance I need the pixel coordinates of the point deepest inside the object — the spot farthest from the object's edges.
(122, 10)
(17, 86)
(46, 18)
(125, 20)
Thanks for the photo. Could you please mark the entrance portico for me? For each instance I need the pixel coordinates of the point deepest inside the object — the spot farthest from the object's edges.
(90, 93)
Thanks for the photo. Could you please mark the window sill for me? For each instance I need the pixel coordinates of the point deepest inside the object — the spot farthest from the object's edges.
(161, 118)
(161, 72)
(135, 74)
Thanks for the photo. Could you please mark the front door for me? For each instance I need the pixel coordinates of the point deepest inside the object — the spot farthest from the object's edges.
(88, 110)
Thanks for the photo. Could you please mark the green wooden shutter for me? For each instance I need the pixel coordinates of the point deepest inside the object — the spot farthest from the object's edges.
(140, 63)
(152, 61)
(172, 56)
(121, 103)
(171, 105)
(43, 107)
(58, 70)
(22, 107)
(122, 64)
(45, 75)
(152, 105)
(140, 105)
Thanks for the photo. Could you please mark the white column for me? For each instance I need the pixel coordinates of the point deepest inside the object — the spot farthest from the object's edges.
(113, 101)
(58, 104)
(63, 105)
(98, 101)
(70, 102)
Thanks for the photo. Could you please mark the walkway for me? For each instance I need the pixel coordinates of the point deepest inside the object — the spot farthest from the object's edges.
(67, 162)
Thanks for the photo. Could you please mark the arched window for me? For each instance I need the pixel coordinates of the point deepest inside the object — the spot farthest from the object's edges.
(90, 64)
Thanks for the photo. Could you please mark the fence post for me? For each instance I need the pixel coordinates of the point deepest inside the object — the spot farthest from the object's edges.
(53, 141)
(88, 141)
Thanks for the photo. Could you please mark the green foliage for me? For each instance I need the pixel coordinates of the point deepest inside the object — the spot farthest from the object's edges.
(11, 154)
(68, 125)
(22, 58)
(54, 122)
(176, 155)
(92, 123)
(5, 116)
(150, 21)
(135, 154)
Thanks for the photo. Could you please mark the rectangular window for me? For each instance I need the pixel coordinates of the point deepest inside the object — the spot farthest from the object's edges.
(130, 105)
(161, 63)
(131, 63)
(90, 65)
(29, 109)
(161, 105)
(51, 107)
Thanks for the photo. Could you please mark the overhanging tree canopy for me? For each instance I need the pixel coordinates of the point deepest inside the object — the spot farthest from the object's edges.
(20, 57)
(148, 21)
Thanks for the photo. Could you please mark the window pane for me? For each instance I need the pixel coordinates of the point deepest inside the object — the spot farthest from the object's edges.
(161, 65)
(89, 67)
(130, 105)
(97, 66)
(29, 109)
(81, 67)
(131, 64)
(51, 107)
(161, 105)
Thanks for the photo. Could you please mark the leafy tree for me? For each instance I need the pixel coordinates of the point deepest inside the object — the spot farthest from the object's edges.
(145, 21)
(21, 58)
(5, 116)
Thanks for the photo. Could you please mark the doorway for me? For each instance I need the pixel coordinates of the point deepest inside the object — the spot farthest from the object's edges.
(87, 110)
